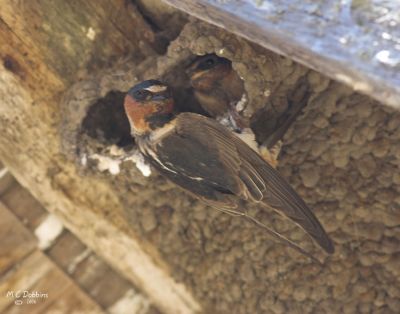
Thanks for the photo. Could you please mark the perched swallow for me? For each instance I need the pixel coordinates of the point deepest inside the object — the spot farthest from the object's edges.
(211, 162)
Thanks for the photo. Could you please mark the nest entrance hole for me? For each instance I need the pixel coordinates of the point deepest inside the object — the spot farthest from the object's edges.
(106, 122)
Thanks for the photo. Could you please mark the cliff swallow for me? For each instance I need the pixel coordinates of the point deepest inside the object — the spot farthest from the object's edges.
(219, 89)
(211, 162)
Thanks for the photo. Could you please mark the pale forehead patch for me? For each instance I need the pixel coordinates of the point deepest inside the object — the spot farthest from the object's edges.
(156, 88)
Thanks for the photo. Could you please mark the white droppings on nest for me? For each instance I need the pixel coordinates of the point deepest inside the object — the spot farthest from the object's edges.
(221, 51)
(138, 159)
(48, 231)
(115, 156)
(106, 163)
(115, 150)
(241, 104)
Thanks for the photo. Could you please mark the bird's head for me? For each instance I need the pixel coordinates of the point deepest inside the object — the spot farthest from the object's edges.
(148, 105)
(207, 70)
(216, 84)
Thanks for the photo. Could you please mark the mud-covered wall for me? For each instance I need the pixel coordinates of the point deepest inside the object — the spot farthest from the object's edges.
(342, 155)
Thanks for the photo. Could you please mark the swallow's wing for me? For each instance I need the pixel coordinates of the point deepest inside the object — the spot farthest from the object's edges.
(205, 158)
(260, 179)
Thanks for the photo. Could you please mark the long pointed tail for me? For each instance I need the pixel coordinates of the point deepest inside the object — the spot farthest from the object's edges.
(281, 197)
(272, 232)
(283, 239)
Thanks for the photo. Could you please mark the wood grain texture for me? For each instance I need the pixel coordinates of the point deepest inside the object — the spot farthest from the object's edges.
(354, 42)
(24, 206)
(103, 284)
(16, 240)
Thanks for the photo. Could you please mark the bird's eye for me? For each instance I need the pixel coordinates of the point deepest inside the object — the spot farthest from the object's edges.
(210, 61)
(141, 94)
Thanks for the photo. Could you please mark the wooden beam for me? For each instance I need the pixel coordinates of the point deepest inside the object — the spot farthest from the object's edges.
(354, 42)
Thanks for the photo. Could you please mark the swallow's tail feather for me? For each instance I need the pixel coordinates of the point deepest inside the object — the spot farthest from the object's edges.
(273, 233)
(281, 197)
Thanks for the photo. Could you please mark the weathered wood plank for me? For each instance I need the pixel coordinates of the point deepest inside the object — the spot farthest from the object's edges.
(73, 301)
(101, 282)
(16, 241)
(354, 42)
(38, 286)
(24, 206)
(66, 250)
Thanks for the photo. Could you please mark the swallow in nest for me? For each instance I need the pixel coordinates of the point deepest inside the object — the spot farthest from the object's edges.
(220, 92)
